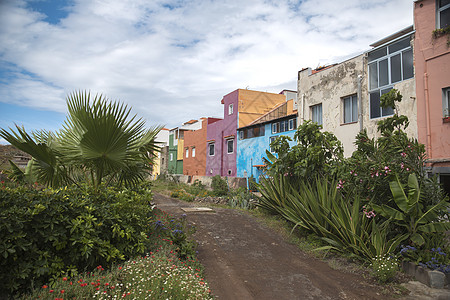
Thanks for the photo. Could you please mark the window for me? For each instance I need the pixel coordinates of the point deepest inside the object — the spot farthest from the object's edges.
(251, 132)
(171, 156)
(230, 109)
(187, 152)
(211, 149)
(446, 102)
(388, 65)
(292, 124)
(271, 139)
(284, 125)
(193, 151)
(350, 109)
(443, 13)
(316, 113)
(376, 110)
(230, 146)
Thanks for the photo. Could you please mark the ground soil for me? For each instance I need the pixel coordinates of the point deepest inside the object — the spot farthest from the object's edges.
(244, 259)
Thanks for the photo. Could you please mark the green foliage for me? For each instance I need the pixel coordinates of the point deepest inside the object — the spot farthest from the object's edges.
(320, 208)
(50, 232)
(433, 254)
(241, 198)
(158, 275)
(384, 268)
(219, 186)
(100, 143)
(316, 153)
(410, 213)
(375, 160)
(182, 195)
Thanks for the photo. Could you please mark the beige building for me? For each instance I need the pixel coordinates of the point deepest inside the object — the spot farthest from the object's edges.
(345, 98)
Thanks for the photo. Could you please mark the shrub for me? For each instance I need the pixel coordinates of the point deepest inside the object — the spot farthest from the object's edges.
(47, 233)
(219, 186)
(241, 198)
(384, 268)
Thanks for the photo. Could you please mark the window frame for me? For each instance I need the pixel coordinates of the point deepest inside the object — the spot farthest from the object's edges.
(439, 10)
(211, 146)
(171, 156)
(271, 139)
(394, 53)
(230, 109)
(446, 102)
(228, 146)
(313, 109)
(193, 152)
(187, 152)
(352, 99)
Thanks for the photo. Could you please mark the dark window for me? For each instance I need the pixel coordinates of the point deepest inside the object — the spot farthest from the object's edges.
(396, 69)
(230, 146)
(443, 13)
(376, 110)
(407, 61)
(211, 149)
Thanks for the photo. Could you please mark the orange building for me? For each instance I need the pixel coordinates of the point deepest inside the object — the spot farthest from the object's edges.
(194, 154)
(432, 67)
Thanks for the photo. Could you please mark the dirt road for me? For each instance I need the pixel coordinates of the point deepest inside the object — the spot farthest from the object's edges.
(245, 260)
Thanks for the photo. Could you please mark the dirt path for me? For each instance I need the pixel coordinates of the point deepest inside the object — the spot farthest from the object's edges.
(245, 260)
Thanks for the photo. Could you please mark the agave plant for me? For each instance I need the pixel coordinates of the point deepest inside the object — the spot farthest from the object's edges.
(100, 143)
(410, 213)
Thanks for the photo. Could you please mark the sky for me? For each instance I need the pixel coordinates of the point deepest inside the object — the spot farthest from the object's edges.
(173, 60)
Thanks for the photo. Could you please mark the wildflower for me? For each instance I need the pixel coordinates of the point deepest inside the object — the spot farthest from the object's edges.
(45, 286)
(64, 278)
(403, 154)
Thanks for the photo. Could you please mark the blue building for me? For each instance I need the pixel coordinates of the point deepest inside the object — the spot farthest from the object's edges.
(254, 139)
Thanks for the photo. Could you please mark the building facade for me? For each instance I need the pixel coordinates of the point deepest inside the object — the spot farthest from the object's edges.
(160, 163)
(176, 145)
(255, 138)
(194, 154)
(345, 98)
(432, 63)
(241, 107)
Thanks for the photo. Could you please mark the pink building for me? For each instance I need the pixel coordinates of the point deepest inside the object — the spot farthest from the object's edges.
(432, 67)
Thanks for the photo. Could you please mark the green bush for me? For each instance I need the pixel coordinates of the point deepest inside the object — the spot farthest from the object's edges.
(219, 186)
(47, 233)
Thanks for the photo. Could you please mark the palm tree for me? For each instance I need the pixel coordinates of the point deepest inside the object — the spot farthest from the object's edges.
(99, 143)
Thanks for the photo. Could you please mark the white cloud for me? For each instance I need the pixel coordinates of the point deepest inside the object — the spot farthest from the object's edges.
(174, 60)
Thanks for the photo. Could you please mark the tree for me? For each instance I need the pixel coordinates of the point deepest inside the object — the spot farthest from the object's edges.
(99, 143)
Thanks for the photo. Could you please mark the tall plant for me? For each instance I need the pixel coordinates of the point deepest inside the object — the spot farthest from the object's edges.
(100, 143)
(409, 212)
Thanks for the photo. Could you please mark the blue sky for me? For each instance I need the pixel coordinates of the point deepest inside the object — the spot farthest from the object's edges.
(172, 60)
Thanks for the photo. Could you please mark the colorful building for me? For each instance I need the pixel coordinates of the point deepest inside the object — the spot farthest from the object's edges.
(241, 107)
(432, 63)
(176, 145)
(255, 138)
(194, 159)
(159, 165)
(345, 98)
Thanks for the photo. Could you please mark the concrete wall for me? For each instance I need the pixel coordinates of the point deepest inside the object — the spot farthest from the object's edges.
(331, 85)
(233, 182)
(432, 66)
